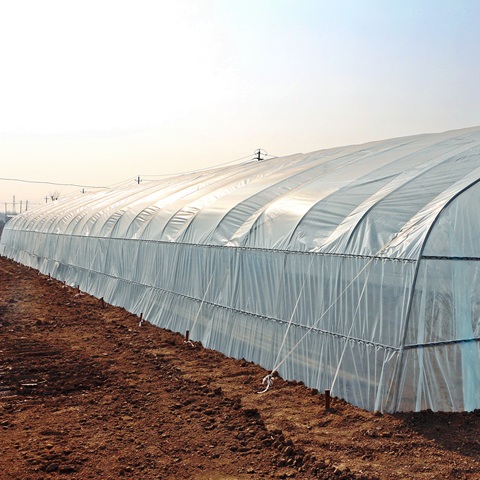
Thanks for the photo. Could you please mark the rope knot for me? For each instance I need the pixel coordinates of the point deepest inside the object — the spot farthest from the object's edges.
(267, 381)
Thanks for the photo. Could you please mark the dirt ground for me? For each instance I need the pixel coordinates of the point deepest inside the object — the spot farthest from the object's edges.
(86, 392)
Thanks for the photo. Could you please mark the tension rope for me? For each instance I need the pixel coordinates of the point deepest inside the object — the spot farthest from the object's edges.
(349, 332)
(268, 379)
(203, 301)
(189, 342)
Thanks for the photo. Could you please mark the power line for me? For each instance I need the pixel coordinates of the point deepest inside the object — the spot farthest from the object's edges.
(139, 176)
(48, 183)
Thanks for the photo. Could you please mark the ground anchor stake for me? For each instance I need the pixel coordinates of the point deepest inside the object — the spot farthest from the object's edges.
(327, 399)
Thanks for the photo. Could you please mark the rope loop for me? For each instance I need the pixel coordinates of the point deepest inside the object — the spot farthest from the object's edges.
(267, 381)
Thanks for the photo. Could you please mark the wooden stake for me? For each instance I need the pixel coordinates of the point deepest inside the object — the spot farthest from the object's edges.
(327, 399)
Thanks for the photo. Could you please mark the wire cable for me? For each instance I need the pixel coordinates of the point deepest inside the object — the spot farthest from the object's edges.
(48, 183)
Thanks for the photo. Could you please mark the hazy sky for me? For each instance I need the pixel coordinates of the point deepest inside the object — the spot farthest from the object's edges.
(98, 92)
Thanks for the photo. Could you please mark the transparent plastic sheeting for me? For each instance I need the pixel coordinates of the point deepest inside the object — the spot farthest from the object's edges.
(365, 259)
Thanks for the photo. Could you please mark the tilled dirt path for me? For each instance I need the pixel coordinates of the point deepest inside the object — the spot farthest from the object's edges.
(88, 393)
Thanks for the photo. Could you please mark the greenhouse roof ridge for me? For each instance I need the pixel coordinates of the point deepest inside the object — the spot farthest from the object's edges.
(323, 201)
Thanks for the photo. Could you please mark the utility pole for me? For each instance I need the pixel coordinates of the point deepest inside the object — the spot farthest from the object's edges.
(259, 154)
(14, 208)
(46, 199)
(138, 179)
(21, 201)
(26, 205)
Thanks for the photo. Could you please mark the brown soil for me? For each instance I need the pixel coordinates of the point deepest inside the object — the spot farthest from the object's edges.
(88, 393)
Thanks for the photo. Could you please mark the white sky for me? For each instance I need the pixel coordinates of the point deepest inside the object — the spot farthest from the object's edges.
(98, 92)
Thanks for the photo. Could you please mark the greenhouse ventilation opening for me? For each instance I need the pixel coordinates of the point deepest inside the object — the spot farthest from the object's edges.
(354, 269)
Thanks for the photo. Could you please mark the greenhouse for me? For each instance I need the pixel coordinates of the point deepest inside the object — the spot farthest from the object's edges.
(354, 269)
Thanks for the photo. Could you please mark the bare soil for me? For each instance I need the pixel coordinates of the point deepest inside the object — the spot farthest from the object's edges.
(87, 392)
